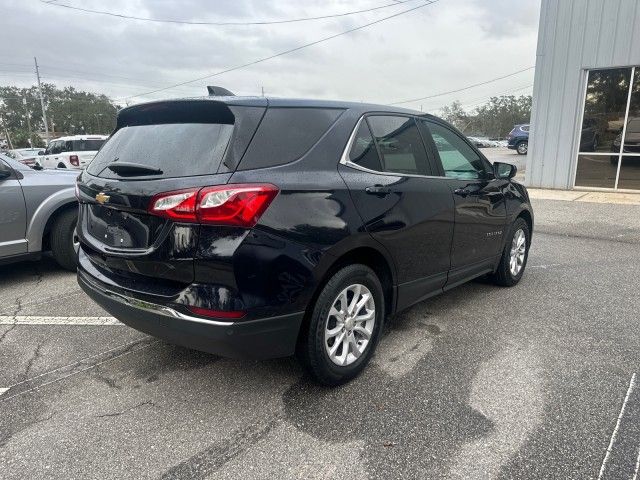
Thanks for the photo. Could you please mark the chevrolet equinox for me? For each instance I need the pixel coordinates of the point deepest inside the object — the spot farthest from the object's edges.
(259, 228)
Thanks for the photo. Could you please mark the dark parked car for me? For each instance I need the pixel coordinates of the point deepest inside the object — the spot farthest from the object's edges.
(38, 212)
(253, 227)
(518, 139)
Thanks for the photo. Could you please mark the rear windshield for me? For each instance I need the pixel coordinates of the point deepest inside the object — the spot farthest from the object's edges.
(178, 149)
(85, 145)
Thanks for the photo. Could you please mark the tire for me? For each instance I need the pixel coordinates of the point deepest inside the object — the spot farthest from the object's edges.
(62, 239)
(522, 148)
(313, 346)
(61, 165)
(503, 275)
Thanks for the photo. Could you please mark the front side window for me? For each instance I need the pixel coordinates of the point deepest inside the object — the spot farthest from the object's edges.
(458, 159)
(400, 145)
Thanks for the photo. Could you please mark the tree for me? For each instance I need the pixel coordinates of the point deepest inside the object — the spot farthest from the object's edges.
(20, 139)
(456, 116)
(68, 110)
(494, 119)
(497, 117)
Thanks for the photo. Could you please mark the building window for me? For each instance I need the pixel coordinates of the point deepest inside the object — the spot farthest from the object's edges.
(609, 150)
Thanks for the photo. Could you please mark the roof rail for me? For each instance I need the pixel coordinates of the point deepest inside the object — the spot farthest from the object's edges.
(219, 92)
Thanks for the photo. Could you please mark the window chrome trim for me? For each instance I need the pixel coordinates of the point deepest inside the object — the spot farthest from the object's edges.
(344, 159)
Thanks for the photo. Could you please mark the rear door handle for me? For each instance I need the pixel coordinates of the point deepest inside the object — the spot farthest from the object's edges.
(463, 192)
(378, 190)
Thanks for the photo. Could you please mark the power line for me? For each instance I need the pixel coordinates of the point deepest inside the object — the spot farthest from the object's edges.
(233, 23)
(463, 88)
(483, 99)
(270, 57)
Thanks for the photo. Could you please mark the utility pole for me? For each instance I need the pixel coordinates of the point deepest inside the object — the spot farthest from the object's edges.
(6, 132)
(262, 91)
(26, 111)
(44, 113)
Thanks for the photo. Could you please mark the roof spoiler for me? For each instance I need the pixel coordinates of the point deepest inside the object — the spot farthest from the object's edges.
(219, 92)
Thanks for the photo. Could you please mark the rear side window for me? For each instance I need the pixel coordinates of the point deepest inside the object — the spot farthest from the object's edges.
(363, 150)
(178, 149)
(400, 145)
(286, 134)
(85, 145)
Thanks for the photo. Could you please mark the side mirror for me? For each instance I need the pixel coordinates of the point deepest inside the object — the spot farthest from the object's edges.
(504, 170)
(4, 173)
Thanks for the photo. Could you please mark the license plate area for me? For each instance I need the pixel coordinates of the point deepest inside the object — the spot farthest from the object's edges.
(121, 229)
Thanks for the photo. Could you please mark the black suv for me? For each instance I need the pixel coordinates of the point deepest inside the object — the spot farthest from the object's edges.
(256, 228)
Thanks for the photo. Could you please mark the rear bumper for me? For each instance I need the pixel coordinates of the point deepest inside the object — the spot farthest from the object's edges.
(250, 339)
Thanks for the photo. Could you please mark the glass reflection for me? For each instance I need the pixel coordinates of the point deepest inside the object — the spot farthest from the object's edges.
(630, 173)
(632, 134)
(604, 110)
(596, 171)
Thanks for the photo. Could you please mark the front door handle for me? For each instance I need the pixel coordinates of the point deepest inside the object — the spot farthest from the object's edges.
(378, 190)
(463, 192)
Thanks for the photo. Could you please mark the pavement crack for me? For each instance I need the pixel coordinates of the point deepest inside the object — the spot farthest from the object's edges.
(126, 410)
(6, 332)
(37, 353)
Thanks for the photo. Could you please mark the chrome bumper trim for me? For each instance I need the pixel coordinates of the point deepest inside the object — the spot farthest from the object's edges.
(149, 306)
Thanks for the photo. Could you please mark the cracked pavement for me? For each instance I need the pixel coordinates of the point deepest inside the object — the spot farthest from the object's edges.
(480, 383)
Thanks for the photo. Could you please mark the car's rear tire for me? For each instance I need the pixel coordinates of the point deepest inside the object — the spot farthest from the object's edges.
(522, 148)
(514, 257)
(62, 239)
(337, 325)
(62, 165)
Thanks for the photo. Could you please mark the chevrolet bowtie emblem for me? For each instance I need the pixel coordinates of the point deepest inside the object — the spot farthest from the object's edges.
(102, 198)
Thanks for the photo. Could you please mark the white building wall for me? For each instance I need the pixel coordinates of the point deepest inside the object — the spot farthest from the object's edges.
(574, 36)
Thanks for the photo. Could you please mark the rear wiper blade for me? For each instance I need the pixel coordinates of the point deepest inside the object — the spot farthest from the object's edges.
(132, 169)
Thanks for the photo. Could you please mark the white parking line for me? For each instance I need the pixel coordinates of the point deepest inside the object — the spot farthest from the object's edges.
(632, 384)
(33, 320)
(2, 390)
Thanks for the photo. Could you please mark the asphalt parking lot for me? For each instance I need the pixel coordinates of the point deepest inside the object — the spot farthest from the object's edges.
(482, 382)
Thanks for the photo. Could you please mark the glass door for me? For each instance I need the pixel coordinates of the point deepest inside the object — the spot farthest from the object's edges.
(609, 150)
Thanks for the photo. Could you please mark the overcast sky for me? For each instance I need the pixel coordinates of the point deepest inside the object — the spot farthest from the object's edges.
(437, 48)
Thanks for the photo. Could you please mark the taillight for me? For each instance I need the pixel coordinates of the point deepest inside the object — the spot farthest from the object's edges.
(73, 160)
(240, 205)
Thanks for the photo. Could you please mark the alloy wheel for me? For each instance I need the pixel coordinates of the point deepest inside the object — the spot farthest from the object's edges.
(518, 251)
(349, 325)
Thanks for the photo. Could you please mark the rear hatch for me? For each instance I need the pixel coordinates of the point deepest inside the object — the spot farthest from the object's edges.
(157, 148)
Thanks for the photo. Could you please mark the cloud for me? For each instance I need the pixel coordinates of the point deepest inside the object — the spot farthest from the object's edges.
(436, 48)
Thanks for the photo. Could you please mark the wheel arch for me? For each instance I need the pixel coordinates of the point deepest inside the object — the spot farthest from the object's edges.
(44, 216)
(527, 217)
(367, 255)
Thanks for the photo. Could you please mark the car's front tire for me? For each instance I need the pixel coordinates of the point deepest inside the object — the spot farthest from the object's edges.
(63, 239)
(514, 257)
(344, 326)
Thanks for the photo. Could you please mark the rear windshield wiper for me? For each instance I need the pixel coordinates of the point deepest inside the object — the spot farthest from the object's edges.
(132, 169)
